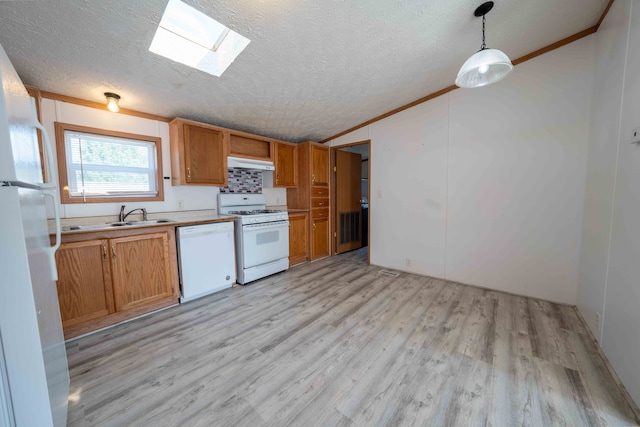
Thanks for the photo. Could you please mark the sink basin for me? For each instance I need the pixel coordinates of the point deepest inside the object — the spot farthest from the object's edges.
(150, 221)
(86, 227)
(115, 224)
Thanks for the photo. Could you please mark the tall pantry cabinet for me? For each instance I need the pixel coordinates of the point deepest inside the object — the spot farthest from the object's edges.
(312, 194)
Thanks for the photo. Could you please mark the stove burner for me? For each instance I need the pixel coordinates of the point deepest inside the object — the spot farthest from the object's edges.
(254, 212)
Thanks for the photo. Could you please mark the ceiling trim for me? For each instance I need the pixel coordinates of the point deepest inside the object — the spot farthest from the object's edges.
(604, 14)
(100, 106)
(448, 89)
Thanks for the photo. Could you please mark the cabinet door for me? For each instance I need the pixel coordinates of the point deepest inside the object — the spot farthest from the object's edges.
(319, 238)
(204, 155)
(298, 238)
(84, 283)
(286, 174)
(319, 166)
(141, 270)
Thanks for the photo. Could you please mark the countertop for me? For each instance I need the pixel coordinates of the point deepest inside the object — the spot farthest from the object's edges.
(178, 218)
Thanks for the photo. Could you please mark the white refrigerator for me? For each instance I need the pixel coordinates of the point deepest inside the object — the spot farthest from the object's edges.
(34, 377)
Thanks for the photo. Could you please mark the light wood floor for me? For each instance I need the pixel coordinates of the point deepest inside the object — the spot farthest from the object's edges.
(337, 343)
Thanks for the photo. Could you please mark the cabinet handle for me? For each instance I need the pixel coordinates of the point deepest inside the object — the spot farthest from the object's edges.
(277, 177)
(313, 178)
(321, 203)
(314, 225)
(113, 250)
(189, 173)
(104, 251)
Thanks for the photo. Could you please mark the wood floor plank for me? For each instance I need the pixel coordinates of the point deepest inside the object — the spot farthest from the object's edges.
(335, 343)
(514, 398)
(609, 399)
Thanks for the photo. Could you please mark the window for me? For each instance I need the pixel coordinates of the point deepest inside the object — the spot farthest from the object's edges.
(190, 37)
(97, 165)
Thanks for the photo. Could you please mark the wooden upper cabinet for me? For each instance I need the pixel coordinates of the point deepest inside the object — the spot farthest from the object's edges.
(84, 284)
(141, 270)
(250, 146)
(319, 166)
(286, 163)
(198, 154)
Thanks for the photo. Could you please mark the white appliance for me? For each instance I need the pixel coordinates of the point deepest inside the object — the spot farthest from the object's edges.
(262, 236)
(34, 377)
(206, 255)
(252, 164)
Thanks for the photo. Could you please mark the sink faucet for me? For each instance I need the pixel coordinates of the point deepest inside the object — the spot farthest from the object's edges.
(124, 216)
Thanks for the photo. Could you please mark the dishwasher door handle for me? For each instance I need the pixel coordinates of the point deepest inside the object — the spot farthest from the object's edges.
(202, 230)
(197, 233)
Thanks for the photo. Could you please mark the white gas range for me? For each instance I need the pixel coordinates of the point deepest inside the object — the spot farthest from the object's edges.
(262, 236)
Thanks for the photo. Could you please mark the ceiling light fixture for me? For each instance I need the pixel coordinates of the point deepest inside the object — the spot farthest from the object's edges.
(486, 66)
(113, 100)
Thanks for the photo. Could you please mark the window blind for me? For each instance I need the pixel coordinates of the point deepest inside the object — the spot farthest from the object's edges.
(106, 166)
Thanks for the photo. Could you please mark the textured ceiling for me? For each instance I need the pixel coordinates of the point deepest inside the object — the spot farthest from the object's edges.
(312, 69)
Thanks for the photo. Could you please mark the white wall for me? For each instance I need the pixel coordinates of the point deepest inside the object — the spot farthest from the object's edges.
(192, 197)
(611, 50)
(486, 186)
(610, 269)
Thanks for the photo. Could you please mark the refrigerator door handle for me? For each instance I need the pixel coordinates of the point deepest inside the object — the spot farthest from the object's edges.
(49, 188)
(47, 148)
(54, 248)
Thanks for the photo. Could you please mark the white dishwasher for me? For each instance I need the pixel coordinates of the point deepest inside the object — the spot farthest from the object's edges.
(206, 258)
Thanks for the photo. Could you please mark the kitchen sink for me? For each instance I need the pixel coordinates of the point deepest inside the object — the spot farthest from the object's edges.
(115, 224)
(149, 222)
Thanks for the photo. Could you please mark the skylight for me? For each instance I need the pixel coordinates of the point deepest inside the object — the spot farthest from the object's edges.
(190, 37)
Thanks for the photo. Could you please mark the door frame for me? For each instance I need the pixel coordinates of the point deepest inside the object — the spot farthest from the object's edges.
(334, 198)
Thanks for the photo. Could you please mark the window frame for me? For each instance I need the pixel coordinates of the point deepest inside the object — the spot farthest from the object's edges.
(63, 179)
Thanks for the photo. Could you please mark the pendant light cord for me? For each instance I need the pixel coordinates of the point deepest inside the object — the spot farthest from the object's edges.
(484, 46)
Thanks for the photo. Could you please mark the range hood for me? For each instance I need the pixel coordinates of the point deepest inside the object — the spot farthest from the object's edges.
(241, 163)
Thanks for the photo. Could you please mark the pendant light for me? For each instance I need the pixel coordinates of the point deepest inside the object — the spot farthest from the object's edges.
(486, 66)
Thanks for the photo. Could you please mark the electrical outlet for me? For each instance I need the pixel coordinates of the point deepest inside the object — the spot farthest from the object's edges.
(635, 136)
(408, 262)
(379, 194)
(598, 321)
(180, 204)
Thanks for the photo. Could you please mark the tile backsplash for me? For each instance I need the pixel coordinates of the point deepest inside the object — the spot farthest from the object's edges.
(243, 181)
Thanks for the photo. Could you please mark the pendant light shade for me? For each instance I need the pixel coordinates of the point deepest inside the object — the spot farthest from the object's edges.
(486, 66)
(483, 68)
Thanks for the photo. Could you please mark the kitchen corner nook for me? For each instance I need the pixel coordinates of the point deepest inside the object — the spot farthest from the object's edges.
(112, 270)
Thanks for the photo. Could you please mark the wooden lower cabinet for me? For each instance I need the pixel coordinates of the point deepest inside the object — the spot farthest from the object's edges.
(320, 244)
(107, 280)
(84, 284)
(298, 238)
(141, 270)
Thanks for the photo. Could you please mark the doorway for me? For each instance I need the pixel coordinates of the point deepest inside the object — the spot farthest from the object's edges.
(351, 193)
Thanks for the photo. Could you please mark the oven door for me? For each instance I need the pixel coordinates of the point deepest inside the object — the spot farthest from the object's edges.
(263, 243)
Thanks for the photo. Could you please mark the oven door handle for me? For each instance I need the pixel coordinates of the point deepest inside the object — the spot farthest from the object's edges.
(266, 226)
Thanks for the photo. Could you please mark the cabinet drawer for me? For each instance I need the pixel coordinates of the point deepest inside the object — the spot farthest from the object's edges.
(320, 203)
(319, 192)
(320, 213)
